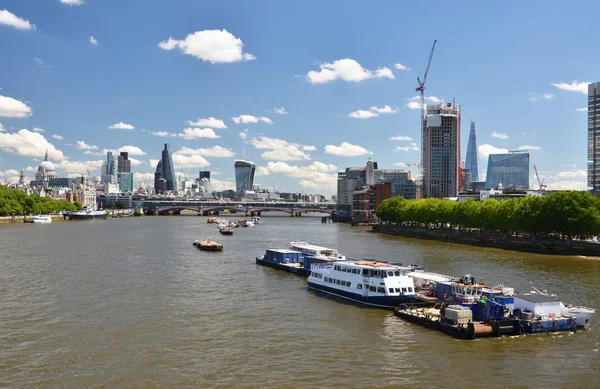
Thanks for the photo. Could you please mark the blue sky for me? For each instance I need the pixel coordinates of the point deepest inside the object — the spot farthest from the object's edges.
(166, 69)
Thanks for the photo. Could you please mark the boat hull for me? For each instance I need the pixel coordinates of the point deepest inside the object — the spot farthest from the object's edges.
(582, 316)
(88, 217)
(387, 302)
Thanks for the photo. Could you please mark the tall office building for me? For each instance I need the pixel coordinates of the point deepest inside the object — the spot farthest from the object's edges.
(164, 177)
(108, 172)
(244, 176)
(510, 169)
(441, 150)
(204, 174)
(124, 175)
(593, 154)
(471, 163)
(124, 163)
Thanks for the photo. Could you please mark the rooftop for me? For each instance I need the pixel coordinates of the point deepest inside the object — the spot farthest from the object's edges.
(537, 298)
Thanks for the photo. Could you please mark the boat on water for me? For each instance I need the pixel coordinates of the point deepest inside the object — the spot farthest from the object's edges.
(126, 214)
(298, 258)
(226, 230)
(213, 220)
(87, 213)
(313, 250)
(208, 245)
(376, 284)
(581, 314)
(42, 219)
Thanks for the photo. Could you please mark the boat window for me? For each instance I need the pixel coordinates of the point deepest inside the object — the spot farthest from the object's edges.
(359, 286)
(384, 274)
(391, 290)
(365, 272)
(410, 289)
(390, 274)
(404, 289)
(397, 273)
(376, 273)
(348, 284)
(372, 289)
(337, 282)
(380, 290)
(397, 290)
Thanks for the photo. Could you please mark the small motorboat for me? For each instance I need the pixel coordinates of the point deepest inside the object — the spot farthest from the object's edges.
(226, 230)
(208, 245)
(212, 220)
(42, 219)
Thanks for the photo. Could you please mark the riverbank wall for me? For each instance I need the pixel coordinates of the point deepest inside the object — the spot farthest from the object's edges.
(494, 240)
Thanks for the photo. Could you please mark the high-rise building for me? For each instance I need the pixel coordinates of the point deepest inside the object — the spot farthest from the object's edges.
(204, 174)
(593, 154)
(471, 162)
(124, 175)
(441, 150)
(165, 171)
(244, 176)
(510, 170)
(124, 164)
(110, 164)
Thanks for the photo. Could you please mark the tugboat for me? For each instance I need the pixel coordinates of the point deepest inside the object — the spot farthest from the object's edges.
(208, 245)
(86, 213)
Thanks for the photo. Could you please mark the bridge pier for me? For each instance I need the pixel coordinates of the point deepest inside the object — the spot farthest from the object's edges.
(176, 212)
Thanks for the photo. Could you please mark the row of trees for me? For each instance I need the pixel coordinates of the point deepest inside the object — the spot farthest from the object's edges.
(14, 201)
(560, 214)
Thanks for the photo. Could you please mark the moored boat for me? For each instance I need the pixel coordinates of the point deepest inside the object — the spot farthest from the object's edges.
(226, 230)
(86, 213)
(208, 245)
(42, 219)
(212, 220)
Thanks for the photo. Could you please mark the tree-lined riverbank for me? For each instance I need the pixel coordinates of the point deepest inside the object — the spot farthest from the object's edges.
(17, 202)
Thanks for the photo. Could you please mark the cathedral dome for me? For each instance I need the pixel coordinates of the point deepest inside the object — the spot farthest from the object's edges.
(47, 166)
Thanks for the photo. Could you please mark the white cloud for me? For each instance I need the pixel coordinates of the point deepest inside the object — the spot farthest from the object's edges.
(72, 2)
(251, 119)
(567, 185)
(59, 137)
(572, 174)
(153, 162)
(280, 111)
(348, 70)
(581, 109)
(360, 114)
(80, 167)
(575, 86)
(415, 102)
(197, 133)
(219, 185)
(214, 46)
(208, 122)
(81, 145)
(484, 152)
(400, 164)
(317, 175)
(309, 148)
(534, 96)
(346, 150)
(412, 147)
(280, 150)
(527, 147)
(215, 151)
(122, 126)
(97, 153)
(190, 160)
(160, 133)
(29, 143)
(384, 109)
(9, 19)
(93, 41)
(568, 180)
(2, 128)
(38, 129)
(548, 96)
(244, 135)
(499, 135)
(12, 108)
(132, 150)
(401, 137)
(31, 169)
(399, 66)
(135, 162)
(40, 62)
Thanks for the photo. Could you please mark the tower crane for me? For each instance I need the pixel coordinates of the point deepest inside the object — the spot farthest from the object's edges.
(540, 182)
(421, 89)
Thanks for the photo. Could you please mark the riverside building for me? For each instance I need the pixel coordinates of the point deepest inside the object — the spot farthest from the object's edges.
(593, 154)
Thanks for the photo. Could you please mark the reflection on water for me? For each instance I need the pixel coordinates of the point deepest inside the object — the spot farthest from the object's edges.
(131, 303)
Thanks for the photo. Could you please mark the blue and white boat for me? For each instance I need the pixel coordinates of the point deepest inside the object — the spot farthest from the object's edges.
(371, 283)
(298, 258)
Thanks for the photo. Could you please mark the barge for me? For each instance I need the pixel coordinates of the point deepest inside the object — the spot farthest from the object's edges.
(299, 258)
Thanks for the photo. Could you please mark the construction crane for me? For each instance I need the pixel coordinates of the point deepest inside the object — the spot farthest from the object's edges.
(421, 89)
(540, 182)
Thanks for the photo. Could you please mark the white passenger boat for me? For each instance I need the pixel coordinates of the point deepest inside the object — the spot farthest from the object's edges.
(87, 213)
(312, 250)
(42, 219)
(367, 282)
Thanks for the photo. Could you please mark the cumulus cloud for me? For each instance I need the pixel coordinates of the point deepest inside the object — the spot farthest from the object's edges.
(317, 175)
(189, 160)
(215, 151)
(38, 129)
(210, 122)
(346, 150)
(135, 162)
(160, 133)
(251, 119)
(59, 137)
(30, 144)
(9, 19)
(12, 108)
(568, 180)
(346, 69)
(581, 109)
(415, 102)
(122, 126)
(214, 46)
(372, 112)
(280, 111)
(400, 164)
(399, 66)
(484, 152)
(79, 167)
(412, 147)
(72, 2)
(574, 86)
(197, 133)
(93, 41)
(547, 96)
(528, 147)
(572, 174)
(244, 135)
(309, 148)
(499, 135)
(401, 138)
(81, 145)
(281, 150)
(153, 162)
(2, 128)
(221, 185)
(534, 96)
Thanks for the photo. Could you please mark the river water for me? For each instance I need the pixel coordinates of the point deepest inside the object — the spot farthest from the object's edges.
(130, 303)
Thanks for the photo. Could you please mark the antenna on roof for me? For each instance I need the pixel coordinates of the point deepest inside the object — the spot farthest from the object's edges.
(244, 156)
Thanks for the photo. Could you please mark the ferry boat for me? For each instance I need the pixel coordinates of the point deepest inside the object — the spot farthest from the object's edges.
(86, 213)
(371, 283)
(312, 250)
(42, 219)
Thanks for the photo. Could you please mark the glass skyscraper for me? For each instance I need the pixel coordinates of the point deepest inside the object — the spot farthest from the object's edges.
(244, 176)
(164, 177)
(509, 170)
(471, 163)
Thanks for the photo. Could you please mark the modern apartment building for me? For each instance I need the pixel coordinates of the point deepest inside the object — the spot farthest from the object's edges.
(593, 154)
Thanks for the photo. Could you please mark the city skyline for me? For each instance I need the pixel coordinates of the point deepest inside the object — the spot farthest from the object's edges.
(322, 104)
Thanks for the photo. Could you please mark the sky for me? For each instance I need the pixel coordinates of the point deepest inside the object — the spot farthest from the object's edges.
(304, 89)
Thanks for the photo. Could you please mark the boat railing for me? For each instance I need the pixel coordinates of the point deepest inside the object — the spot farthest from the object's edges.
(321, 265)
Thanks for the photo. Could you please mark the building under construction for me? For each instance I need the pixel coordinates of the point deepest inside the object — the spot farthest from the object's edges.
(441, 150)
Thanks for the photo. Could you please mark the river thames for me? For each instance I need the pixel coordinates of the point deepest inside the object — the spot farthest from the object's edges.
(131, 303)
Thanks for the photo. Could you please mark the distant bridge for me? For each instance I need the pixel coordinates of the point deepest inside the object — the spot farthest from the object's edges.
(206, 208)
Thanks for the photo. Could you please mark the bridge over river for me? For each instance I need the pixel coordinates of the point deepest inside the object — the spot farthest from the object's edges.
(206, 208)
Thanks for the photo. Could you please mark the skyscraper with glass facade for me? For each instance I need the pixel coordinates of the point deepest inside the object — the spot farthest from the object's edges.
(471, 163)
(244, 176)
(510, 169)
(164, 177)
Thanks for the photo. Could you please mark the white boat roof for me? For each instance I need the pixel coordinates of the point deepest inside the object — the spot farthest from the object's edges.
(430, 276)
(370, 265)
(285, 251)
(312, 247)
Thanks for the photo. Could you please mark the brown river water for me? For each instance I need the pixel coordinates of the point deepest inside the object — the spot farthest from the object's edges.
(130, 303)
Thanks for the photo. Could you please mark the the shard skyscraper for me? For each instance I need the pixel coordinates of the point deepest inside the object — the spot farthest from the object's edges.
(471, 163)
